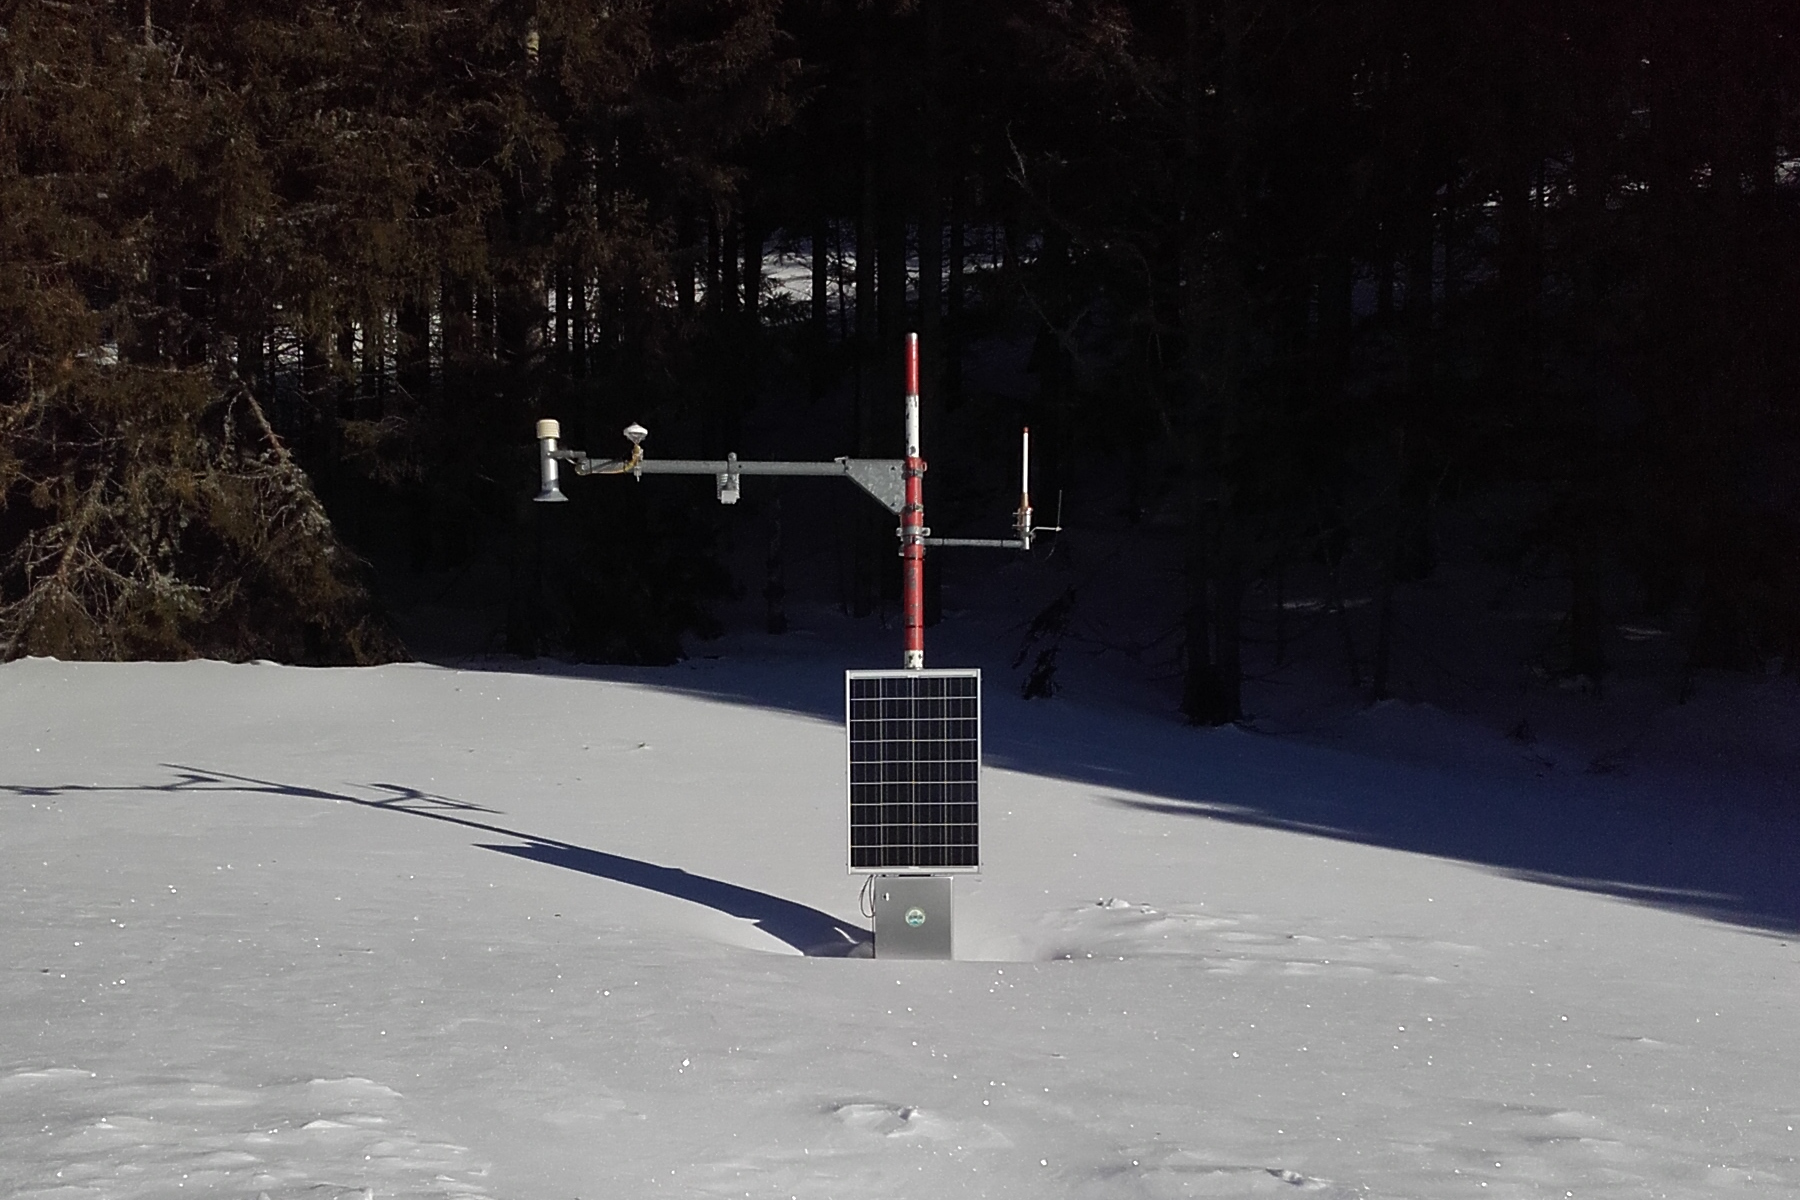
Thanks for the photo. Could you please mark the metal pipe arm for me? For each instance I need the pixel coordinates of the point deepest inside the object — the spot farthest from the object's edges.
(985, 543)
(882, 478)
(735, 466)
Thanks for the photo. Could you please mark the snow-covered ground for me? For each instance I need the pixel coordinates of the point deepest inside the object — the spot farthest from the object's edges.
(537, 933)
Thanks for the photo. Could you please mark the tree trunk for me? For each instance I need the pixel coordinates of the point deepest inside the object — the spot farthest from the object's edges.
(1340, 613)
(713, 300)
(519, 322)
(729, 266)
(1404, 556)
(315, 388)
(867, 345)
(687, 252)
(560, 334)
(1213, 301)
(747, 336)
(457, 306)
(1384, 622)
(1580, 536)
(819, 327)
(753, 271)
(890, 254)
(931, 268)
(346, 371)
(775, 570)
(867, 217)
(413, 352)
(1012, 236)
(863, 532)
(885, 400)
(486, 337)
(931, 296)
(252, 358)
(578, 319)
(953, 303)
(374, 366)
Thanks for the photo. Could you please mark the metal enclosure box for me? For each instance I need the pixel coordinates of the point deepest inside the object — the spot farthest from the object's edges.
(912, 916)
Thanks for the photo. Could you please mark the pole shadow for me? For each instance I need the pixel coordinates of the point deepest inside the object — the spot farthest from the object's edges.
(808, 930)
(1698, 842)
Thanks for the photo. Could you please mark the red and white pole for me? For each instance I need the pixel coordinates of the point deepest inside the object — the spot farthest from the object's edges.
(1022, 518)
(912, 521)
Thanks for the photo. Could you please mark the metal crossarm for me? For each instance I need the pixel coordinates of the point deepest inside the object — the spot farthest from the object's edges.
(897, 484)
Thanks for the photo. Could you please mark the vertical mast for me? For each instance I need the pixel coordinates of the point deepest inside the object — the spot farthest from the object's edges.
(1022, 519)
(912, 521)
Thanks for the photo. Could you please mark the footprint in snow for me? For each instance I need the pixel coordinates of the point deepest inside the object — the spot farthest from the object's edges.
(293, 1139)
(1186, 1175)
(20, 1079)
(887, 1120)
(1111, 929)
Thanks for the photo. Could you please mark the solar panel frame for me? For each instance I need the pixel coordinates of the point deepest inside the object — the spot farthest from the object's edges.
(912, 770)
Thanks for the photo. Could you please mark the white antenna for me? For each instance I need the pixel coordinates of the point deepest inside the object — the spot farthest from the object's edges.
(1022, 519)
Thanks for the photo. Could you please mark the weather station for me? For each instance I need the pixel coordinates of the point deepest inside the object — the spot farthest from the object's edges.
(912, 736)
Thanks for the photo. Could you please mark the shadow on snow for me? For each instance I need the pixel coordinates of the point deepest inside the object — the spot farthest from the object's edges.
(1702, 845)
(806, 929)
(1699, 845)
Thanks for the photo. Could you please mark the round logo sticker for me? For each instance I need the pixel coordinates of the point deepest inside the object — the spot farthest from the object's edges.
(915, 917)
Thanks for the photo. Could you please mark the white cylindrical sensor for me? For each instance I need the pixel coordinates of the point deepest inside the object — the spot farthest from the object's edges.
(548, 491)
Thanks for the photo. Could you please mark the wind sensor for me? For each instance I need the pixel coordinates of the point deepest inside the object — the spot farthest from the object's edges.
(913, 736)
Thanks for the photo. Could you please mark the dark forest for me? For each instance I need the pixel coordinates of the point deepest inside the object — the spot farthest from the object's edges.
(1321, 292)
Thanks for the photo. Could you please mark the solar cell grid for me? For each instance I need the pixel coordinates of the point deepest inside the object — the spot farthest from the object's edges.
(915, 763)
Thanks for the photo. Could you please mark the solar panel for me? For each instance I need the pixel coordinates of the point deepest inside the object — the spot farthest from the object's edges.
(915, 770)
